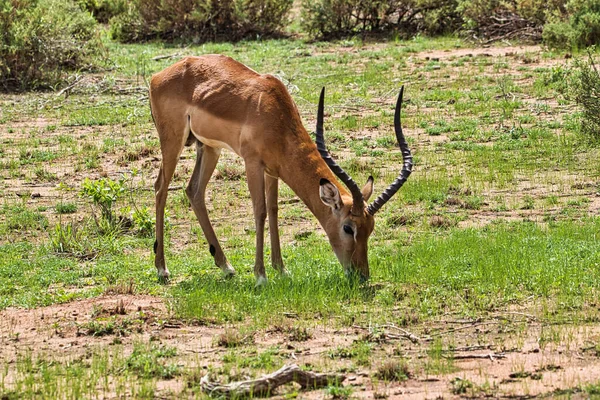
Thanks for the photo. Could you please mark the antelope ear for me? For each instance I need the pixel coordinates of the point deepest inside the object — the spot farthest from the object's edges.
(367, 190)
(330, 195)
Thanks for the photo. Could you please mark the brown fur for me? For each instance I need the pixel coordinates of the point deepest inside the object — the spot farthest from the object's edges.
(220, 103)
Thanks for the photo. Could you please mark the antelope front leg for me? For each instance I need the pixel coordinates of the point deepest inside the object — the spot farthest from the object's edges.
(256, 184)
(272, 185)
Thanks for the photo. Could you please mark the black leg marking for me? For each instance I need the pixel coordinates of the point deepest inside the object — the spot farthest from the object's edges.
(155, 246)
(212, 250)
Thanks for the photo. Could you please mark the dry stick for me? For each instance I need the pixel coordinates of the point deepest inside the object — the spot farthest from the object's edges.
(405, 334)
(463, 328)
(265, 385)
(164, 56)
(67, 90)
(527, 316)
(470, 348)
(491, 356)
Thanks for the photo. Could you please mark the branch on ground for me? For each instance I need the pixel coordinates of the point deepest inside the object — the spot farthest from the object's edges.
(265, 385)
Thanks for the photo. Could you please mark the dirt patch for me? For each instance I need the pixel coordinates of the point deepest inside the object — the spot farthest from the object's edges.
(509, 354)
(507, 51)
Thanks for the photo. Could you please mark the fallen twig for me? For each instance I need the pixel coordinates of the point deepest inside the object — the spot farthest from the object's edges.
(164, 56)
(491, 356)
(404, 333)
(441, 333)
(265, 385)
(67, 90)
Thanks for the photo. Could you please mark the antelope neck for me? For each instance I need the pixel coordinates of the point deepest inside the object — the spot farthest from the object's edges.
(302, 173)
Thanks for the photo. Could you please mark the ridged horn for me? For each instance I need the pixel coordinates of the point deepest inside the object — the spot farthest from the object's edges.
(407, 162)
(358, 202)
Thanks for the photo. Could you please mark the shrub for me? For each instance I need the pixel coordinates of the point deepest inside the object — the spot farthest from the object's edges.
(581, 27)
(334, 18)
(104, 10)
(558, 35)
(587, 95)
(200, 20)
(41, 39)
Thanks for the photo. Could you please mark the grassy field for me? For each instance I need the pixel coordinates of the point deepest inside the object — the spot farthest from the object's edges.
(489, 255)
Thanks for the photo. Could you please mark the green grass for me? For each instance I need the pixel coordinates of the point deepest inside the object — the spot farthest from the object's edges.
(500, 212)
(466, 271)
(103, 371)
(33, 276)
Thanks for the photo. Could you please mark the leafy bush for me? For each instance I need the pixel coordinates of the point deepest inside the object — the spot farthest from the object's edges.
(580, 29)
(199, 20)
(104, 10)
(104, 193)
(334, 18)
(143, 221)
(587, 95)
(41, 39)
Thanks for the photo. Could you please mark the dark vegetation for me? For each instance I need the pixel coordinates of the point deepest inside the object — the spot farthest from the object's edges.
(42, 41)
(201, 20)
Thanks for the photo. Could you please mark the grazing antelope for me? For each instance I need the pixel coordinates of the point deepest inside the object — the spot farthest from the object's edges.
(217, 102)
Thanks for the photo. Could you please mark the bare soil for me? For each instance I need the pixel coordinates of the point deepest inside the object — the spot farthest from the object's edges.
(507, 355)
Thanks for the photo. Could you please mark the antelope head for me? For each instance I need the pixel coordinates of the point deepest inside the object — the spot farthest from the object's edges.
(352, 219)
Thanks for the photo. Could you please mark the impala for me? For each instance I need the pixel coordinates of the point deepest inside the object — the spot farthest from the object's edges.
(218, 103)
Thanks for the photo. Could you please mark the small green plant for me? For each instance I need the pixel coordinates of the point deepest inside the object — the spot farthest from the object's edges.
(104, 193)
(21, 218)
(360, 352)
(71, 239)
(461, 386)
(144, 221)
(299, 334)
(149, 361)
(339, 392)
(66, 208)
(233, 338)
(528, 203)
(393, 370)
(438, 362)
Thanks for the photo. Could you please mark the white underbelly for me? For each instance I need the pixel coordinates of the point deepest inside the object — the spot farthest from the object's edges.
(214, 131)
(215, 143)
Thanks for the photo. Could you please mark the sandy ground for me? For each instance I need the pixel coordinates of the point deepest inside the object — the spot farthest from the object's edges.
(507, 355)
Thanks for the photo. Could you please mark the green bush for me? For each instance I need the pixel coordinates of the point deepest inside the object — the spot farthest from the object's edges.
(581, 28)
(104, 193)
(558, 35)
(41, 39)
(104, 10)
(200, 20)
(335, 18)
(586, 90)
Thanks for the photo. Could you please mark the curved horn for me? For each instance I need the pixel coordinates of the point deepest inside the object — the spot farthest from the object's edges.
(357, 197)
(406, 168)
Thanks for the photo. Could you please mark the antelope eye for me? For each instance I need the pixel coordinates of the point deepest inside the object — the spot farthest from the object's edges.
(348, 229)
